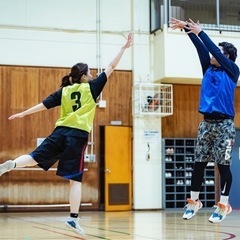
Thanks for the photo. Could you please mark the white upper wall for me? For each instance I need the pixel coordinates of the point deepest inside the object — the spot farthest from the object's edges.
(179, 57)
(63, 32)
(49, 13)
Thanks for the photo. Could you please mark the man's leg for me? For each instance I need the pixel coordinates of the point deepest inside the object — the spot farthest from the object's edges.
(193, 203)
(223, 206)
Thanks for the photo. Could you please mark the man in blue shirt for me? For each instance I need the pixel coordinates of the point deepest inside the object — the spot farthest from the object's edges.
(216, 132)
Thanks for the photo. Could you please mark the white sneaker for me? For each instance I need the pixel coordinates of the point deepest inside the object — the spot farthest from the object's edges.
(220, 213)
(192, 208)
(6, 167)
(74, 225)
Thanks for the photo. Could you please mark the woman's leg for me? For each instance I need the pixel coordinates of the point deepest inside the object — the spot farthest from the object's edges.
(75, 200)
(75, 196)
(22, 161)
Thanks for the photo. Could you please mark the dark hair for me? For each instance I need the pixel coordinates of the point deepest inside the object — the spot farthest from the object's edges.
(77, 71)
(229, 49)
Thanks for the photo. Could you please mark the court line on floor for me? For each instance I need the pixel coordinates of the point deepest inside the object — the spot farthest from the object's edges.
(63, 234)
(231, 235)
(45, 225)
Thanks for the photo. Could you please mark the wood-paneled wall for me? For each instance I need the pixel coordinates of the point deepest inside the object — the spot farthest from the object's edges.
(23, 87)
(185, 119)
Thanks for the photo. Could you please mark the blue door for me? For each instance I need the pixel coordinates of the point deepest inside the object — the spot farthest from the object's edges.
(234, 198)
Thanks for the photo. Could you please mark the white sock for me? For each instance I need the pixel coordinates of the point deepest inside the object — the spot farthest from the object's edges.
(14, 164)
(224, 199)
(194, 195)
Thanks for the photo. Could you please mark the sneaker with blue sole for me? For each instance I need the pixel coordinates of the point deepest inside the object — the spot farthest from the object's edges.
(73, 224)
(220, 213)
(192, 208)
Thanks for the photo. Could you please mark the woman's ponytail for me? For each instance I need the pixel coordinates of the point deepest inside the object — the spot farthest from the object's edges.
(77, 71)
(66, 81)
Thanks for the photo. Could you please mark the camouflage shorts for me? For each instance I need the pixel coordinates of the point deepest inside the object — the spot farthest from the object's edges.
(215, 141)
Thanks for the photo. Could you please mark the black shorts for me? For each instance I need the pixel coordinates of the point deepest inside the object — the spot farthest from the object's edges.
(68, 150)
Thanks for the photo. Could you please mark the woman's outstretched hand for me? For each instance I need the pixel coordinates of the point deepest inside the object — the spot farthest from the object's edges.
(129, 41)
(17, 115)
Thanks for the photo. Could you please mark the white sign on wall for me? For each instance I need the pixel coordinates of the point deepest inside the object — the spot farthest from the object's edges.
(39, 141)
(151, 136)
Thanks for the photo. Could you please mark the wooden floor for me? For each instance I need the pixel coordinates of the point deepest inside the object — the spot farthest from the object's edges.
(149, 225)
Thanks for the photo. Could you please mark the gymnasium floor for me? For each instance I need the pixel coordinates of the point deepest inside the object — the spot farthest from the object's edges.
(136, 225)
